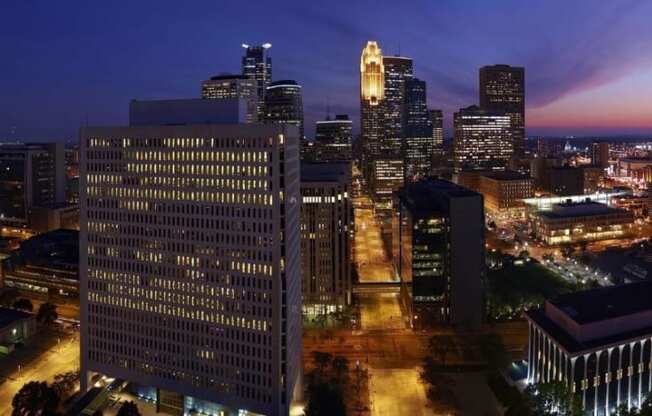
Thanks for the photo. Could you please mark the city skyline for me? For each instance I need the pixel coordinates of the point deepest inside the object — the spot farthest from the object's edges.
(577, 67)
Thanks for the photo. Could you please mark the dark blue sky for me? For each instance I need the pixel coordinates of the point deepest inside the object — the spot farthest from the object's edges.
(588, 62)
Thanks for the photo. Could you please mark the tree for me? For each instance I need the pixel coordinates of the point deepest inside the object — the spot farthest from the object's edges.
(325, 399)
(322, 360)
(24, 304)
(128, 409)
(65, 383)
(47, 313)
(7, 296)
(34, 398)
(553, 399)
(340, 366)
(493, 350)
(440, 345)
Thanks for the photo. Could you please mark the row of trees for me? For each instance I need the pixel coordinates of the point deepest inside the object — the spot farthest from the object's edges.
(39, 397)
(330, 383)
(46, 314)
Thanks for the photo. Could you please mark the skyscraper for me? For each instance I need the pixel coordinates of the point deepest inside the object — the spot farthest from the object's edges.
(437, 123)
(438, 228)
(31, 175)
(257, 65)
(418, 146)
(600, 154)
(398, 70)
(334, 139)
(482, 139)
(372, 95)
(225, 87)
(326, 225)
(502, 89)
(284, 104)
(190, 264)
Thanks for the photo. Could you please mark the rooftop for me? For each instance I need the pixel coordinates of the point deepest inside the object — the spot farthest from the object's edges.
(507, 175)
(585, 208)
(222, 77)
(428, 193)
(8, 316)
(325, 171)
(606, 303)
(595, 306)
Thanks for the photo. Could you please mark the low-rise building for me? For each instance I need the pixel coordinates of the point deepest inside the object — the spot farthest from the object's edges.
(639, 205)
(46, 266)
(503, 192)
(598, 342)
(572, 222)
(53, 217)
(16, 327)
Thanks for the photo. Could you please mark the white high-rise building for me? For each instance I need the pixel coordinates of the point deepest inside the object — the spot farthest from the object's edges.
(190, 265)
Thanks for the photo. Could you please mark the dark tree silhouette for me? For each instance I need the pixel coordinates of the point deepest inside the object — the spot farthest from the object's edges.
(34, 398)
(128, 409)
(24, 304)
(47, 313)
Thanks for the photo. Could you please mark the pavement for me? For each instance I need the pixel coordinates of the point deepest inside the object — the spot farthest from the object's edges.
(381, 311)
(37, 364)
(397, 392)
(372, 262)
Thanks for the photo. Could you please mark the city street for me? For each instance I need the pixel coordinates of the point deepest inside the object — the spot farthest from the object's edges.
(397, 392)
(38, 365)
(372, 262)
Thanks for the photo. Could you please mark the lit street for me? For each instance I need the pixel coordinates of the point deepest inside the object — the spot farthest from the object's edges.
(37, 365)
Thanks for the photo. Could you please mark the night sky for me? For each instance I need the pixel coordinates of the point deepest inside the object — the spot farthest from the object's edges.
(588, 63)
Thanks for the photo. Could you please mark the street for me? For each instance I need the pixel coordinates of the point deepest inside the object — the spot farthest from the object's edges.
(37, 365)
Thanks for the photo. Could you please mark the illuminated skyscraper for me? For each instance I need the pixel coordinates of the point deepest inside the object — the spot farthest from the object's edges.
(257, 65)
(284, 104)
(482, 139)
(502, 89)
(190, 264)
(398, 70)
(372, 95)
(225, 87)
(437, 123)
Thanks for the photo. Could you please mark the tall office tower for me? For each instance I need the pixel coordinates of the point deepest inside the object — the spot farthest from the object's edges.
(326, 230)
(418, 146)
(334, 139)
(502, 89)
(257, 65)
(225, 87)
(387, 175)
(284, 104)
(482, 139)
(398, 70)
(600, 154)
(372, 96)
(31, 175)
(439, 230)
(437, 122)
(190, 264)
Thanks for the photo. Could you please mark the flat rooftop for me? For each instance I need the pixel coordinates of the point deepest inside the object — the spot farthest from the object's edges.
(606, 303)
(507, 175)
(578, 209)
(8, 316)
(325, 171)
(428, 193)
